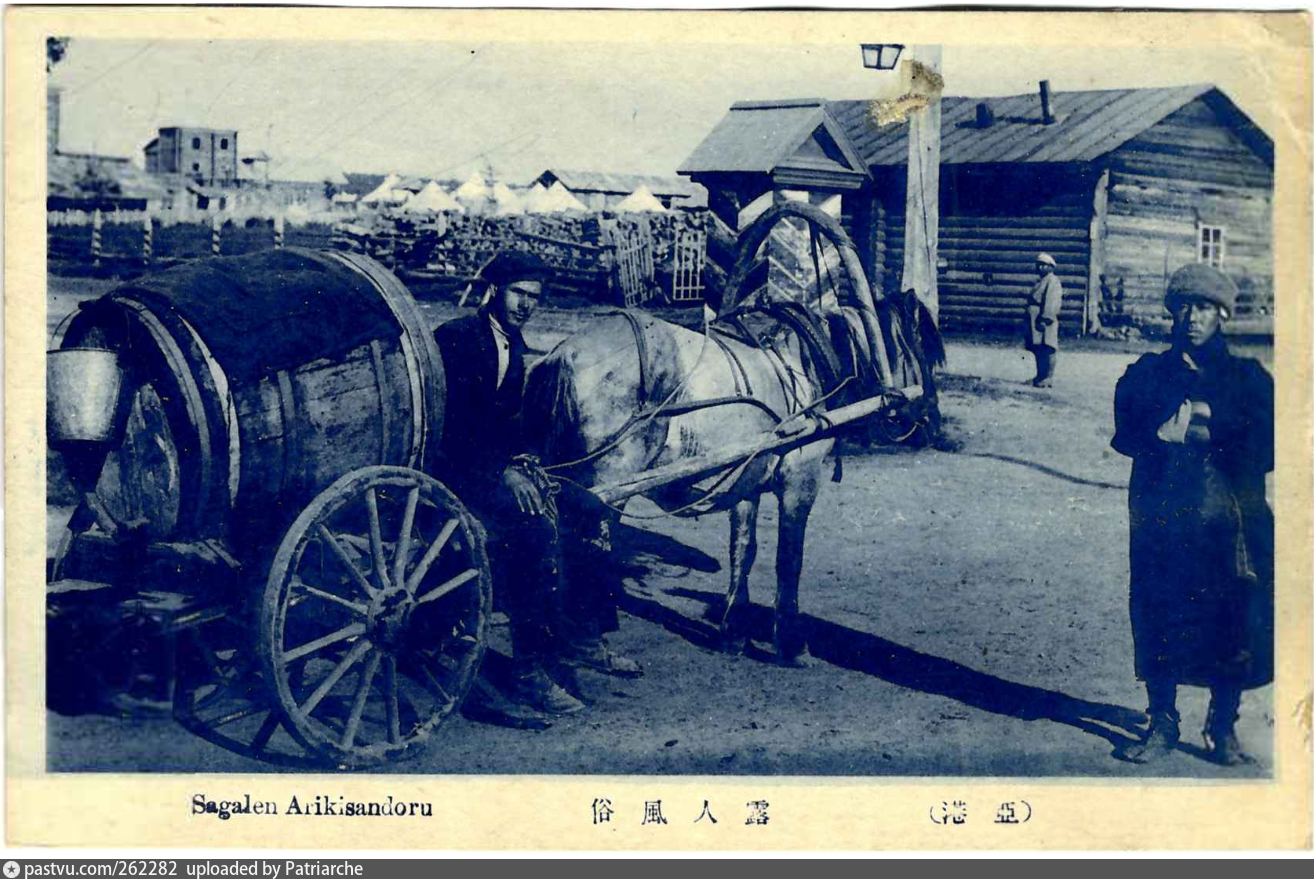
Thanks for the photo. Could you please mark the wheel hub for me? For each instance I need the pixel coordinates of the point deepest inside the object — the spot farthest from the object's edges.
(389, 616)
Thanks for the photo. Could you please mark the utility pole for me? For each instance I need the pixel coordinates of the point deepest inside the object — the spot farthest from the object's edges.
(921, 77)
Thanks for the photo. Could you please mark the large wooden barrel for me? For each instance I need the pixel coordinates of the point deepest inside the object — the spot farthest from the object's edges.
(255, 381)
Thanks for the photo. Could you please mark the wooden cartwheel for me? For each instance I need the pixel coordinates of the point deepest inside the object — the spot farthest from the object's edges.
(368, 633)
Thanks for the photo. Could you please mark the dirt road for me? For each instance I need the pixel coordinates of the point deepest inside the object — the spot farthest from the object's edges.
(968, 612)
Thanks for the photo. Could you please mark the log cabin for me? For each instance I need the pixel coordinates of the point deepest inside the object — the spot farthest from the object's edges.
(1121, 186)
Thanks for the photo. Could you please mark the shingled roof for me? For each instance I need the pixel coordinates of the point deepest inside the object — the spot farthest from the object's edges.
(1087, 125)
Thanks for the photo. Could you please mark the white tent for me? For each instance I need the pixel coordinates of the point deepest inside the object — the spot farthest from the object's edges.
(474, 189)
(535, 199)
(505, 202)
(386, 192)
(432, 199)
(560, 199)
(640, 200)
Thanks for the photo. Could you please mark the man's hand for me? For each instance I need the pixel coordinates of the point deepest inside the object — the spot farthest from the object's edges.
(524, 491)
(1174, 429)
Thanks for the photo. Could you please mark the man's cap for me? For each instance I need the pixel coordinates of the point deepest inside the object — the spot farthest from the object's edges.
(1046, 259)
(1199, 281)
(509, 266)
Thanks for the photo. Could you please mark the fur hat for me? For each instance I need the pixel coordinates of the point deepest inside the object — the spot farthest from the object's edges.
(1199, 281)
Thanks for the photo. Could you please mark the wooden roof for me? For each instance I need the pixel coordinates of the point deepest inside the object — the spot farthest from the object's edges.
(1087, 125)
(616, 184)
(761, 136)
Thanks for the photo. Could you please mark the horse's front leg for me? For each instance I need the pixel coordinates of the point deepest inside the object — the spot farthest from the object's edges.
(743, 552)
(799, 481)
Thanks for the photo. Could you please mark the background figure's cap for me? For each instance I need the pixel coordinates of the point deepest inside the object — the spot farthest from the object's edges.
(1046, 259)
(514, 265)
(1199, 281)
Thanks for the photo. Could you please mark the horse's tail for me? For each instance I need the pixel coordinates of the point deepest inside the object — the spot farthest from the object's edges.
(933, 348)
(549, 412)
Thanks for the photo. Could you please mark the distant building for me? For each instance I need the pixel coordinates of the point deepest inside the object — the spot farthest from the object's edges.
(1121, 187)
(89, 181)
(206, 155)
(599, 191)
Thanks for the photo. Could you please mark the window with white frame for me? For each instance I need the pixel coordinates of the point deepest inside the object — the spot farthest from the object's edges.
(1211, 242)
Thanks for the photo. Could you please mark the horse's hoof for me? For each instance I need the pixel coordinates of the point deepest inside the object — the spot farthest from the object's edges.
(735, 645)
(797, 658)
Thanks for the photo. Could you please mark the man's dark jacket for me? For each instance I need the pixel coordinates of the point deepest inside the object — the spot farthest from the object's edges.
(481, 422)
(1201, 530)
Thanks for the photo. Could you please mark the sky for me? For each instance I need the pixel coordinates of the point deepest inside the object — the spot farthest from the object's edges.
(434, 108)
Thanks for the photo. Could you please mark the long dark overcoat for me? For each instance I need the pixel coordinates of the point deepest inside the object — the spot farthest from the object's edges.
(1201, 529)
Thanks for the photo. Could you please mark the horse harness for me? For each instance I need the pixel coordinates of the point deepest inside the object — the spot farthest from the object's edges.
(825, 371)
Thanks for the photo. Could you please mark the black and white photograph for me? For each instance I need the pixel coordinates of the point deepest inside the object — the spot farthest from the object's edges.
(426, 405)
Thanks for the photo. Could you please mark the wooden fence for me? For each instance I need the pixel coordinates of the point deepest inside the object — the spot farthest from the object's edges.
(127, 241)
(628, 260)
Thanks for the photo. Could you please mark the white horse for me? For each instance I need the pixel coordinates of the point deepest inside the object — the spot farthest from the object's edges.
(632, 392)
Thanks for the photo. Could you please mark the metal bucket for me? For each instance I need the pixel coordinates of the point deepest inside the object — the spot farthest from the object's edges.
(82, 394)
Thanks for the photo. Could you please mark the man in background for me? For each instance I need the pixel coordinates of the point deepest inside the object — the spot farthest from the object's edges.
(1197, 422)
(1043, 305)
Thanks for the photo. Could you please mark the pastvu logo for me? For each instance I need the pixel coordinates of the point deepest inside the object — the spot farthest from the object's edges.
(11, 869)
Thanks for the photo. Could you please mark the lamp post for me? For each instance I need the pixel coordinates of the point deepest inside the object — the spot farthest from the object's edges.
(920, 75)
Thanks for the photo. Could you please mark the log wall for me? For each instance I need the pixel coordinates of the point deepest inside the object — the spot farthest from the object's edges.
(1187, 171)
(993, 222)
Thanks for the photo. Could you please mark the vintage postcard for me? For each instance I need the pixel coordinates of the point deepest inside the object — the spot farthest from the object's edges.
(657, 430)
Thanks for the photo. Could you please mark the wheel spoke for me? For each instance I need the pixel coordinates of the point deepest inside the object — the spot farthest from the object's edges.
(391, 705)
(422, 664)
(459, 580)
(333, 677)
(266, 731)
(431, 555)
(362, 696)
(342, 634)
(404, 536)
(329, 596)
(376, 540)
(235, 716)
(327, 536)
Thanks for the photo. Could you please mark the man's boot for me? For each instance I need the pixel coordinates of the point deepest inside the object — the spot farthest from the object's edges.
(534, 687)
(1165, 731)
(595, 655)
(1159, 742)
(1220, 728)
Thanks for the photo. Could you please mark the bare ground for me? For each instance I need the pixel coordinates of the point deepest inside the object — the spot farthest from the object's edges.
(968, 613)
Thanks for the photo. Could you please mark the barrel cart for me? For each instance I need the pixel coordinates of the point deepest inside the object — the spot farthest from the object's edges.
(252, 440)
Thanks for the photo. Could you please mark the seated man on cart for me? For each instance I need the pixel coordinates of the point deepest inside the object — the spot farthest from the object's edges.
(553, 621)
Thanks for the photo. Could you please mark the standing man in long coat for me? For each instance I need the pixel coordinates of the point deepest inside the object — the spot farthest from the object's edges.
(1197, 422)
(1043, 305)
(485, 361)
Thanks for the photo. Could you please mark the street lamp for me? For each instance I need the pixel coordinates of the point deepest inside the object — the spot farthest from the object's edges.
(920, 106)
(881, 56)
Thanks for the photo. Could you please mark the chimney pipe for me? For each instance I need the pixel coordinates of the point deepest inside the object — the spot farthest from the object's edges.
(1046, 114)
(985, 117)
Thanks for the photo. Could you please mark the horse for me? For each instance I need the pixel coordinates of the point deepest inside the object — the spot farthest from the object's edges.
(632, 392)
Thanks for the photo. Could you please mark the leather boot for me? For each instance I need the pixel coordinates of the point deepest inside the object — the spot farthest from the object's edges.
(534, 687)
(1159, 742)
(1220, 728)
(595, 655)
